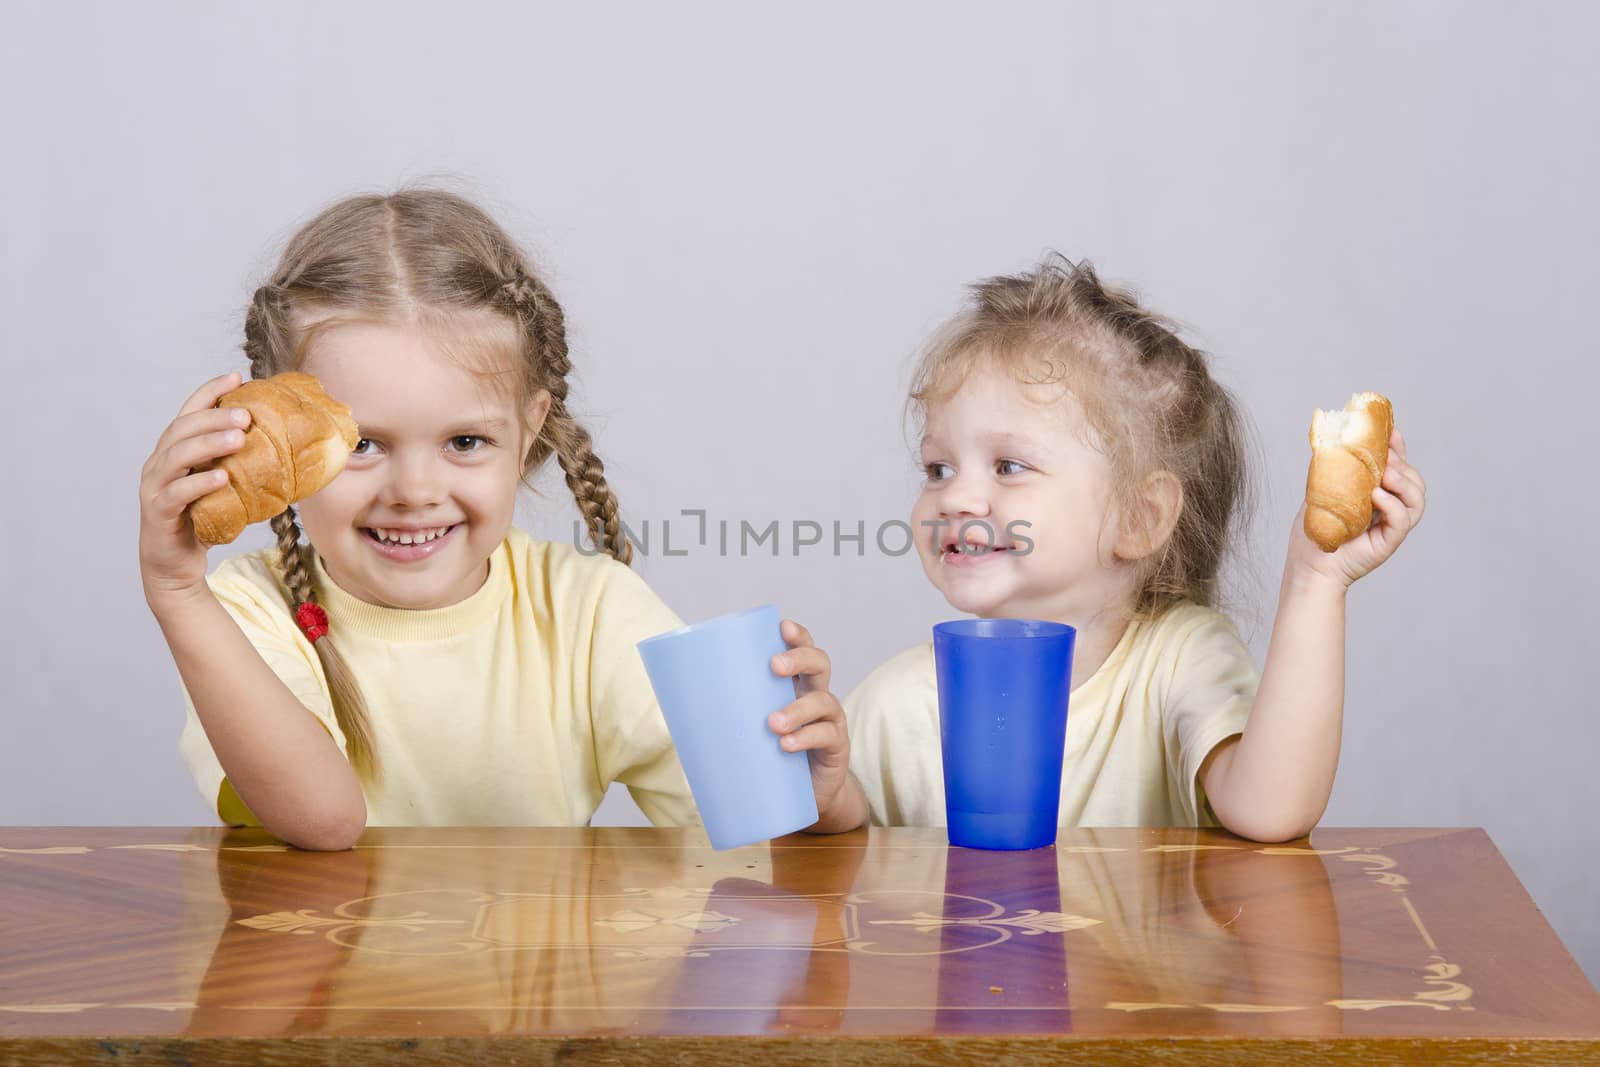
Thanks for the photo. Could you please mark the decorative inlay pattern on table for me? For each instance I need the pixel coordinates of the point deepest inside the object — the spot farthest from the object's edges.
(656, 923)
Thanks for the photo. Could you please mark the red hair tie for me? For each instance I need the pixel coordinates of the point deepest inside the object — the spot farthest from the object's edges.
(312, 619)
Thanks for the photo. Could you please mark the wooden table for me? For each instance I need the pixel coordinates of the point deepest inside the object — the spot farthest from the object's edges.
(623, 945)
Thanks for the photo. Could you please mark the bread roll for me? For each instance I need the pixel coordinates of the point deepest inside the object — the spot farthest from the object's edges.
(1349, 450)
(299, 438)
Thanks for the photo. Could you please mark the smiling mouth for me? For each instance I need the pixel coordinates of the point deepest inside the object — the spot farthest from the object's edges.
(396, 538)
(971, 551)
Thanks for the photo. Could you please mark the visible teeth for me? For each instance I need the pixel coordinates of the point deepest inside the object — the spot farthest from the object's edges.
(399, 537)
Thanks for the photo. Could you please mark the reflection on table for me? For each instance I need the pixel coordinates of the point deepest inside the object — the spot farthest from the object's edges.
(207, 937)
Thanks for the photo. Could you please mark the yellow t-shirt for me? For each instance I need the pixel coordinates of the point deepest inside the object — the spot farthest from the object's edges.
(1137, 730)
(517, 706)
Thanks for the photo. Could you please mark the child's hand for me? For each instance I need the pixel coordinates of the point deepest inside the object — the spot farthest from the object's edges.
(814, 723)
(1398, 502)
(172, 561)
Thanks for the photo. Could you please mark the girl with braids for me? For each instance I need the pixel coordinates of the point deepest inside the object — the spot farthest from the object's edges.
(466, 674)
(1082, 466)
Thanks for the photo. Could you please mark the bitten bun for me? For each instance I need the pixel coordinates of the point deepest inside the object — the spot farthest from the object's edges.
(1349, 450)
(298, 440)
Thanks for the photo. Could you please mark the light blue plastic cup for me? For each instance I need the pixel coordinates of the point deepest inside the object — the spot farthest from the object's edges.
(716, 687)
(1003, 691)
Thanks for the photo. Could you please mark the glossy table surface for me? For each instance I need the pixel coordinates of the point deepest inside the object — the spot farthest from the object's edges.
(618, 945)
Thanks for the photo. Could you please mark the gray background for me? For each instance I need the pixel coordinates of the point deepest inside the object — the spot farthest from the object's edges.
(754, 214)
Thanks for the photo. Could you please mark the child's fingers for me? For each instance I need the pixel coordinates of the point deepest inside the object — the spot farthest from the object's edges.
(1395, 520)
(812, 662)
(199, 413)
(814, 723)
(827, 739)
(803, 660)
(207, 395)
(1394, 475)
(171, 501)
(794, 635)
(221, 437)
(808, 710)
(210, 420)
(1406, 483)
(191, 452)
(1397, 441)
(195, 424)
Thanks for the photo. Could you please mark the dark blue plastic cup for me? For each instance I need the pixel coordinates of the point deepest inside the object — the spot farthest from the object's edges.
(1003, 689)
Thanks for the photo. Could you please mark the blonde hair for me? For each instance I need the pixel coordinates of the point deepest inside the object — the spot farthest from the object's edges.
(1148, 397)
(420, 256)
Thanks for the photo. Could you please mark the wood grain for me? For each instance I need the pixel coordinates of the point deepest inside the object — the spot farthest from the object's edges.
(624, 945)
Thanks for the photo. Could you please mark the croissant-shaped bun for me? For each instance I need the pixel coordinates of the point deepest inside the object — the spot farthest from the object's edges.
(1349, 450)
(298, 440)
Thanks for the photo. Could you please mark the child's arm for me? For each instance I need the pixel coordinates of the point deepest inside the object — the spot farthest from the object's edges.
(1273, 782)
(276, 754)
(815, 724)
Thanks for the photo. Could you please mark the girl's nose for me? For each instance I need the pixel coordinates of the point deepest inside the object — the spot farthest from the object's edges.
(962, 496)
(415, 481)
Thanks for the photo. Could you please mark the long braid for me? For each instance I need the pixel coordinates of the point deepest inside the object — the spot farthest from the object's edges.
(296, 568)
(349, 708)
(264, 324)
(545, 324)
(263, 331)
